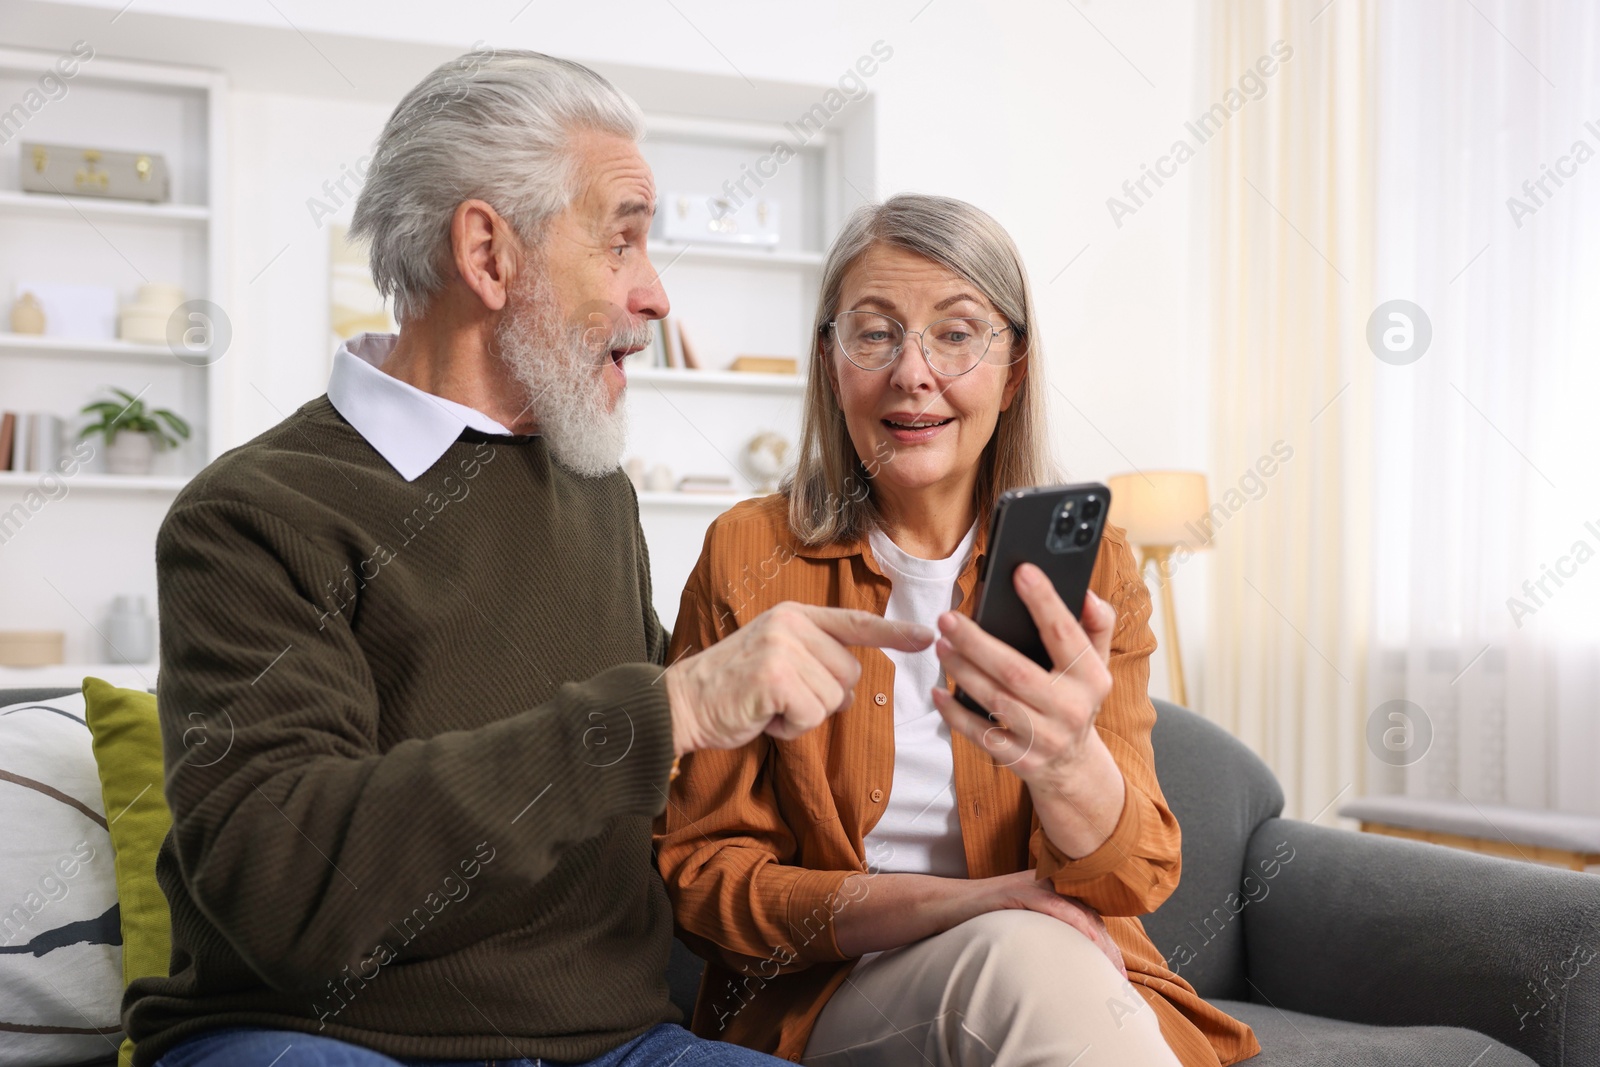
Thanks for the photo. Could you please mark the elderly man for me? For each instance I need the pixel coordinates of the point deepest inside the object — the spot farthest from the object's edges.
(420, 609)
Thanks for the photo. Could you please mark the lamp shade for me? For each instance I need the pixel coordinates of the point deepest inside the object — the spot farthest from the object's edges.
(1161, 507)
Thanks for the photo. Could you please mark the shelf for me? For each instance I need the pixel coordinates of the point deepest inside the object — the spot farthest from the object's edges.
(719, 501)
(84, 347)
(732, 381)
(662, 254)
(71, 675)
(131, 483)
(91, 208)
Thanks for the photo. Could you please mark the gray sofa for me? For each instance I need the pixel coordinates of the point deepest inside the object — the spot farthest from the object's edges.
(1367, 949)
(1345, 949)
(1359, 950)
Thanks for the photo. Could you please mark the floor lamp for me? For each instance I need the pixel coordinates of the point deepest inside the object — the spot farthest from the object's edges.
(1161, 510)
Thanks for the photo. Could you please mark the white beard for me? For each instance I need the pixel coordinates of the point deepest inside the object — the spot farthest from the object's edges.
(562, 366)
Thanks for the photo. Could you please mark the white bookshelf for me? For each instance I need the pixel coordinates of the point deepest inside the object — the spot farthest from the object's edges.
(733, 301)
(96, 541)
(70, 542)
(665, 253)
(723, 381)
(93, 208)
(714, 502)
(71, 675)
(131, 483)
(25, 344)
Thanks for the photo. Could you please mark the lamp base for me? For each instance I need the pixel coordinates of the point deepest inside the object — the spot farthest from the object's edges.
(1162, 555)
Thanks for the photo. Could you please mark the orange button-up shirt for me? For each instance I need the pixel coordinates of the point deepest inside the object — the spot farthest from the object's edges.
(755, 844)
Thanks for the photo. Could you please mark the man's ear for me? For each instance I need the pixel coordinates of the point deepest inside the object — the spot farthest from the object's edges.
(1014, 378)
(485, 251)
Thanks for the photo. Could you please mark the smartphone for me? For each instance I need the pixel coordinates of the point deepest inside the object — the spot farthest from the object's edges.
(1056, 528)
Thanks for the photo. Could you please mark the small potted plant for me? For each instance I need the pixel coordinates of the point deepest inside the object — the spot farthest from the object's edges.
(133, 432)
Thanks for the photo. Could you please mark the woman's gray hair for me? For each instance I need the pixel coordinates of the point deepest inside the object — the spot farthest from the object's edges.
(830, 498)
(493, 126)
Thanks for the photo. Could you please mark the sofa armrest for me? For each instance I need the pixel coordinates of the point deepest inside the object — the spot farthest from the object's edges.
(1378, 930)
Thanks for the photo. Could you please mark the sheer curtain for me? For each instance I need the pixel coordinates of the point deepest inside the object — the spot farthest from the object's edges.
(1288, 214)
(1486, 448)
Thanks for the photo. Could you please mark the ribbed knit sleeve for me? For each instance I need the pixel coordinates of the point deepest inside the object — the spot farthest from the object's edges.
(1137, 866)
(301, 835)
(723, 847)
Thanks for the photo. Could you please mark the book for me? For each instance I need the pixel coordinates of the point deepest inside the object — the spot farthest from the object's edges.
(690, 360)
(44, 442)
(668, 349)
(766, 365)
(20, 460)
(8, 435)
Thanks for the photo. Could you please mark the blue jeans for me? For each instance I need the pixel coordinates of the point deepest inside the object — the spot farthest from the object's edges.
(666, 1045)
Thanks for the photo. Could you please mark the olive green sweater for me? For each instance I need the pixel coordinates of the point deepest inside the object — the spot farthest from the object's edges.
(415, 738)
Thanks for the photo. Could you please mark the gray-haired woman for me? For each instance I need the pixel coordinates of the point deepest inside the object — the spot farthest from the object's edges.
(907, 879)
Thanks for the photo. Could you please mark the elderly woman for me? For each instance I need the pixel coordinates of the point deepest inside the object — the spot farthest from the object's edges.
(909, 880)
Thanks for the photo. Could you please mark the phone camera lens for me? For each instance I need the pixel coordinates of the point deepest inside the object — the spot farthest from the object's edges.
(1091, 507)
(1084, 535)
(1063, 525)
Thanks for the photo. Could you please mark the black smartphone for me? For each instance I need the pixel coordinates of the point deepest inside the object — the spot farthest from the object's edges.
(1056, 528)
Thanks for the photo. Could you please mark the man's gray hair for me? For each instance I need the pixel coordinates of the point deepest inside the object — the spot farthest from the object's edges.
(493, 126)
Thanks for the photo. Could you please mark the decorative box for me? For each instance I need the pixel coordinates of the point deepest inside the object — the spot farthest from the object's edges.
(77, 171)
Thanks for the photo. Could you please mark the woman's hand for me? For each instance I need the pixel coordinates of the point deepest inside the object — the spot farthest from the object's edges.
(1044, 729)
(1044, 718)
(1024, 891)
(884, 911)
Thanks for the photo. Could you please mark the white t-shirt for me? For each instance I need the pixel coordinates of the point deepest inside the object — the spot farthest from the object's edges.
(920, 831)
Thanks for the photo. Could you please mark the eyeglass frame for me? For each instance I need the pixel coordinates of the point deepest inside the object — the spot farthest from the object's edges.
(906, 334)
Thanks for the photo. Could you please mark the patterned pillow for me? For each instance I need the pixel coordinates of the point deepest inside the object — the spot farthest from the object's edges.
(60, 931)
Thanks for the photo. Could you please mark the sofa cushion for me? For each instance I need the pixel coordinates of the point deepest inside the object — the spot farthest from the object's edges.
(127, 752)
(1220, 791)
(1290, 1039)
(60, 937)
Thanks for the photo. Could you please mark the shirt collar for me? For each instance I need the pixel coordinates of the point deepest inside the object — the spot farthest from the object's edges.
(409, 428)
(861, 546)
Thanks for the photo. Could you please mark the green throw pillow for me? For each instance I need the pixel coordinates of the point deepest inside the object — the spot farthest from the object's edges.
(127, 751)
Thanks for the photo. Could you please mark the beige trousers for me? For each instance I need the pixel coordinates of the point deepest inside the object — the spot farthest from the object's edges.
(1006, 989)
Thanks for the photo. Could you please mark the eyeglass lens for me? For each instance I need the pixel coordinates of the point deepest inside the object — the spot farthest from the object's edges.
(953, 346)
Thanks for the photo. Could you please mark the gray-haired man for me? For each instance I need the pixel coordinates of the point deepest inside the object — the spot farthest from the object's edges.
(421, 606)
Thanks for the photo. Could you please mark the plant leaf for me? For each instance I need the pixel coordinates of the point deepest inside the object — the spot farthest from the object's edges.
(179, 426)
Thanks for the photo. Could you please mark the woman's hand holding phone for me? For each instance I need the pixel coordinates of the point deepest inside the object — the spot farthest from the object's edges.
(1044, 720)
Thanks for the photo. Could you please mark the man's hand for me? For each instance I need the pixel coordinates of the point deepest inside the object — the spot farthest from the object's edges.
(784, 673)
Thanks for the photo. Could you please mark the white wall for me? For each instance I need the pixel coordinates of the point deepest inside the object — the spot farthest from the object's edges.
(283, 149)
(1060, 104)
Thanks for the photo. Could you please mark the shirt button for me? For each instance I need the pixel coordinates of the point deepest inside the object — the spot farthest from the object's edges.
(877, 795)
(880, 700)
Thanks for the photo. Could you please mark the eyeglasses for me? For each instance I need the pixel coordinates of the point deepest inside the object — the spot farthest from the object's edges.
(952, 347)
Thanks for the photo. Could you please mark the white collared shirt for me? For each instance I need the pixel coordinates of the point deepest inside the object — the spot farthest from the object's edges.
(409, 428)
